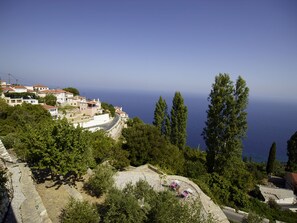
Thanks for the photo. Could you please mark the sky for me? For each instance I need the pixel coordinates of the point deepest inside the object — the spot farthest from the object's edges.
(151, 45)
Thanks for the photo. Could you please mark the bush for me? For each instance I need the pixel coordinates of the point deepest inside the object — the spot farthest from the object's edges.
(79, 212)
(3, 180)
(252, 218)
(101, 181)
(9, 140)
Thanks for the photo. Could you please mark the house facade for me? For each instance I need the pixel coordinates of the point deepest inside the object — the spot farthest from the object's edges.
(52, 110)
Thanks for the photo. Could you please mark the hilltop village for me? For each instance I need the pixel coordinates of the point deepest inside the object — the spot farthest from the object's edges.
(87, 113)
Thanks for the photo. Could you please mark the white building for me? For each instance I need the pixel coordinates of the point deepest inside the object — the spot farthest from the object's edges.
(39, 87)
(31, 101)
(52, 110)
(19, 89)
(60, 94)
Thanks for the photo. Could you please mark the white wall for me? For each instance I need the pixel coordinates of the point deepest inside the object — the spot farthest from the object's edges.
(97, 120)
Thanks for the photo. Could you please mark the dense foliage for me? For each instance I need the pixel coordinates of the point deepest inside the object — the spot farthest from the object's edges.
(108, 108)
(292, 153)
(271, 159)
(24, 95)
(49, 99)
(179, 115)
(145, 144)
(140, 203)
(57, 147)
(3, 180)
(226, 124)
(72, 90)
(79, 212)
(102, 179)
(161, 117)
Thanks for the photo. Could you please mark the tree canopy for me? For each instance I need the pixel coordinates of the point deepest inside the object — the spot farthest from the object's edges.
(57, 147)
(271, 159)
(226, 123)
(161, 117)
(72, 90)
(179, 115)
(292, 153)
(108, 108)
(145, 144)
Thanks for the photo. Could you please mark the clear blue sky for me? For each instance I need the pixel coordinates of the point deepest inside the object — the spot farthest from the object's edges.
(151, 45)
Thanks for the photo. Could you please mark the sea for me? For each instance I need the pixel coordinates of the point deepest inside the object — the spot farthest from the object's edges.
(268, 121)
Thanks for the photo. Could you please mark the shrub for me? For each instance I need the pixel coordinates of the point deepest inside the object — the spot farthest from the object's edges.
(9, 140)
(101, 181)
(79, 212)
(3, 180)
(252, 218)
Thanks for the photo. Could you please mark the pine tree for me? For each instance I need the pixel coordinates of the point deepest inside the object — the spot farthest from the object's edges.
(226, 123)
(160, 116)
(292, 153)
(179, 114)
(271, 159)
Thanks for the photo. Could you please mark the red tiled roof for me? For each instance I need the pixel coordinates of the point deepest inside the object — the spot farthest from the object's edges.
(48, 107)
(91, 102)
(19, 87)
(7, 89)
(53, 91)
(39, 85)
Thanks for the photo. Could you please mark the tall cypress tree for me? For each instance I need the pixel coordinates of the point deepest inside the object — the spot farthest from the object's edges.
(179, 114)
(226, 123)
(271, 159)
(292, 153)
(160, 116)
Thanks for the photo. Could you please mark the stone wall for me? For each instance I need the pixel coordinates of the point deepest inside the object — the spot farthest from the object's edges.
(6, 194)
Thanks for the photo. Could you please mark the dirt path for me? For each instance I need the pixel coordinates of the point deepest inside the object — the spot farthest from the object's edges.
(55, 198)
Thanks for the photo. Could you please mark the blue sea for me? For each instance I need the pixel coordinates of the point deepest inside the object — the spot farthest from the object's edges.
(268, 121)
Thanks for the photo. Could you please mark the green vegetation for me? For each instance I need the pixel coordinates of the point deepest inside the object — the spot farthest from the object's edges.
(226, 124)
(55, 148)
(101, 180)
(145, 144)
(292, 153)
(72, 90)
(79, 212)
(108, 108)
(49, 99)
(271, 159)
(25, 95)
(174, 126)
(3, 180)
(140, 203)
(178, 124)
(161, 117)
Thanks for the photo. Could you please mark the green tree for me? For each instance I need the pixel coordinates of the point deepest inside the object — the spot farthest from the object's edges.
(72, 90)
(179, 114)
(108, 108)
(226, 124)
(57, 147)
(145, 144)
(161, 116)
(271, 159)
(101, 181)
(79, 212)
(49, 99)
(292, 153)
